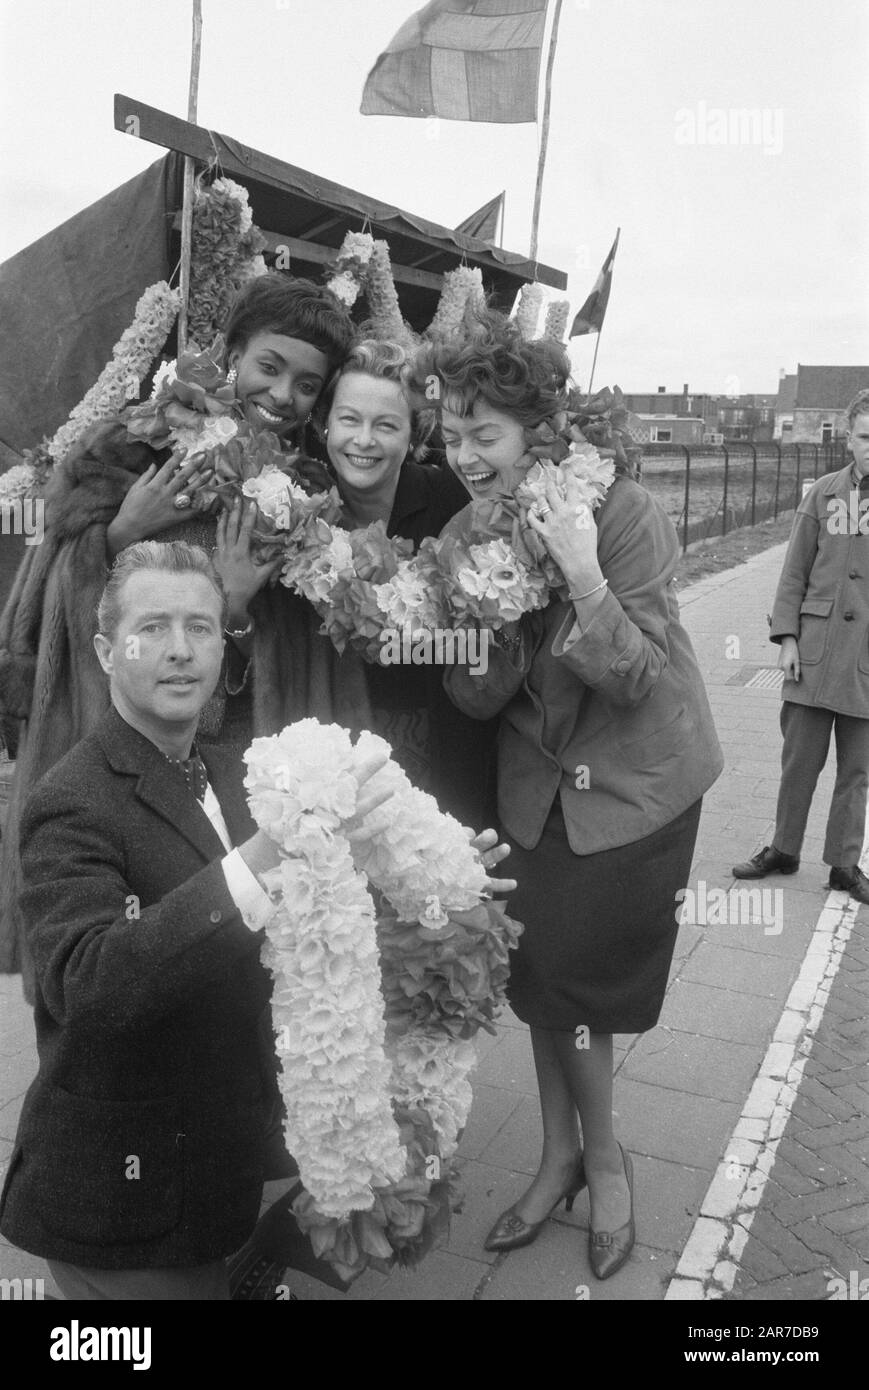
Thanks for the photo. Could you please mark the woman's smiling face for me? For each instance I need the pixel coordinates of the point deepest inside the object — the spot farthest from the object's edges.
(279, 380)
(369, 431)
(486, 449)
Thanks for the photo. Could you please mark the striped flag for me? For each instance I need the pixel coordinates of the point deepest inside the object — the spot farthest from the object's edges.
(590, 317)
(463, 60)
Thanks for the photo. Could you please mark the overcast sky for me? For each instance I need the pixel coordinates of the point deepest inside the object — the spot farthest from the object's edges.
(744, 244)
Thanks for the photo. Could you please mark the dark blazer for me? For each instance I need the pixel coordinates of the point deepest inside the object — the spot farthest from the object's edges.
(625, 700)
(823, 597)
(141, 1141)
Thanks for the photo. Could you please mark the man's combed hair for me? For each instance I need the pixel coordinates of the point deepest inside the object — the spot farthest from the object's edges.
(166, 557)
(387, 361)
(296, 308)
(492, 362)
(859, 406)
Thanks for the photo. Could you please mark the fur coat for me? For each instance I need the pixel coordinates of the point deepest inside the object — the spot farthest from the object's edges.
(51, 680)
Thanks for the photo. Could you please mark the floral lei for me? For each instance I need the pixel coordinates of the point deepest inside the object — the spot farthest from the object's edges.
(374, 1008)
(362, 583)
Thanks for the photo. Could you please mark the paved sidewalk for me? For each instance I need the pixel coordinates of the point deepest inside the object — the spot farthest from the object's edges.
(682, 1088)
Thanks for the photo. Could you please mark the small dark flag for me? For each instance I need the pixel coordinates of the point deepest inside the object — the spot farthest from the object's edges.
(483, 224)
(591, 315)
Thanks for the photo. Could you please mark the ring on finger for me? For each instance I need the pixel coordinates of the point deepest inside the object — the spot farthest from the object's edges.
(181, 501)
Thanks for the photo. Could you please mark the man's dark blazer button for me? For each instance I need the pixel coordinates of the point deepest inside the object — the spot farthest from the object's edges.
(849, 616)
(215, 916)
(852, 574)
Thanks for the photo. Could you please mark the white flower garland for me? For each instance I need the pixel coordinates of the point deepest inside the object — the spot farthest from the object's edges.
(556, 320)
(339, 1075)
(386, 319)
(121, 378)
(528, 310)
(16, 482)
(350, 265)
(461, 286)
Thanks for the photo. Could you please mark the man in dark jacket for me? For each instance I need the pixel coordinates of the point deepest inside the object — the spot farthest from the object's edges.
(821, 619)
(141, 1149)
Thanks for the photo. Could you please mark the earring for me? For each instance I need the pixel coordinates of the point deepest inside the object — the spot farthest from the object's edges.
(232, 375)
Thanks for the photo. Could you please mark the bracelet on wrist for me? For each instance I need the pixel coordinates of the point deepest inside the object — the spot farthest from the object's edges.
(575, 598)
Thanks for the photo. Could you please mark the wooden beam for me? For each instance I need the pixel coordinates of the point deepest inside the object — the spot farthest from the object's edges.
(324, 255)
(160, 128)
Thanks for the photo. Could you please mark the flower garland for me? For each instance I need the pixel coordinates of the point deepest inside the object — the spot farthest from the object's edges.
(17, 482)
(361, 582)
(351, 264)
(226, 251)
(528, 309)
(121, 379)
(386, 319)
(374, 1019)
(461, 287)
(555, 325)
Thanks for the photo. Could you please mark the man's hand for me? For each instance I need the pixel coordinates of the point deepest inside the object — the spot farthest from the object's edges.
(789, 658)
(149, 506)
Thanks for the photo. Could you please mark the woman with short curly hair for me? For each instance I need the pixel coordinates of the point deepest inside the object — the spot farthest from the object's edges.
(606, 745)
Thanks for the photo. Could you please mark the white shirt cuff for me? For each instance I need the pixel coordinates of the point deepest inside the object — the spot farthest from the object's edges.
(246, 891)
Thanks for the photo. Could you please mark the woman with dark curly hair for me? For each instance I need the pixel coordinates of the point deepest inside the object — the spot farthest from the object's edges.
(606, 746)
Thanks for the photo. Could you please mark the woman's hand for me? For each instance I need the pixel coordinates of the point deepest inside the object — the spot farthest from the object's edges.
(242, 577)
(149, 506)
(789, 658)
(569, 532)
(491, 853)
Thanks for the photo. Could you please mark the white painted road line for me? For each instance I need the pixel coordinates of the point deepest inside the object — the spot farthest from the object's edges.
(710, 1260)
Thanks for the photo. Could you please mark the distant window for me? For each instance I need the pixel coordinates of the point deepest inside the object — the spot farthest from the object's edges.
(660, 436)
(827, 432)
(787, 425)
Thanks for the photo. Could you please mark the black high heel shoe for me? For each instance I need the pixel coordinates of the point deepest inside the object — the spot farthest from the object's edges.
(510, 1231)
(608, 1250)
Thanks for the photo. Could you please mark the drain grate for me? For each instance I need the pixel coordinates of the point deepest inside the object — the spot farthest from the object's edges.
(758, 677)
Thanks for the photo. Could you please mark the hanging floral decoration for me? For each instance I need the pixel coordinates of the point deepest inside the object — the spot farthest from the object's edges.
(374, 1007)
(351, 265)
(226, 251)
(17, 483)
(462, 287)
(386, 319)
(555, 325)
(528, 310)
(121, 380)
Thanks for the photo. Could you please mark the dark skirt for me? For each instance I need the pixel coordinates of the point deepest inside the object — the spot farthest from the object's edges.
(599, 928)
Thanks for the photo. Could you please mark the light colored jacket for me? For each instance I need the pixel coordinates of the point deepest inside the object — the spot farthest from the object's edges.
(624, 699)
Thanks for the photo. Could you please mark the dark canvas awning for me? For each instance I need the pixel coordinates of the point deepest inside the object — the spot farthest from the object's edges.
(66, 299)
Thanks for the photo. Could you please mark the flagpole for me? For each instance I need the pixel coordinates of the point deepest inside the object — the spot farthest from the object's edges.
(594, 359)
(187, 202)
(503, 210)
(544, 132)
